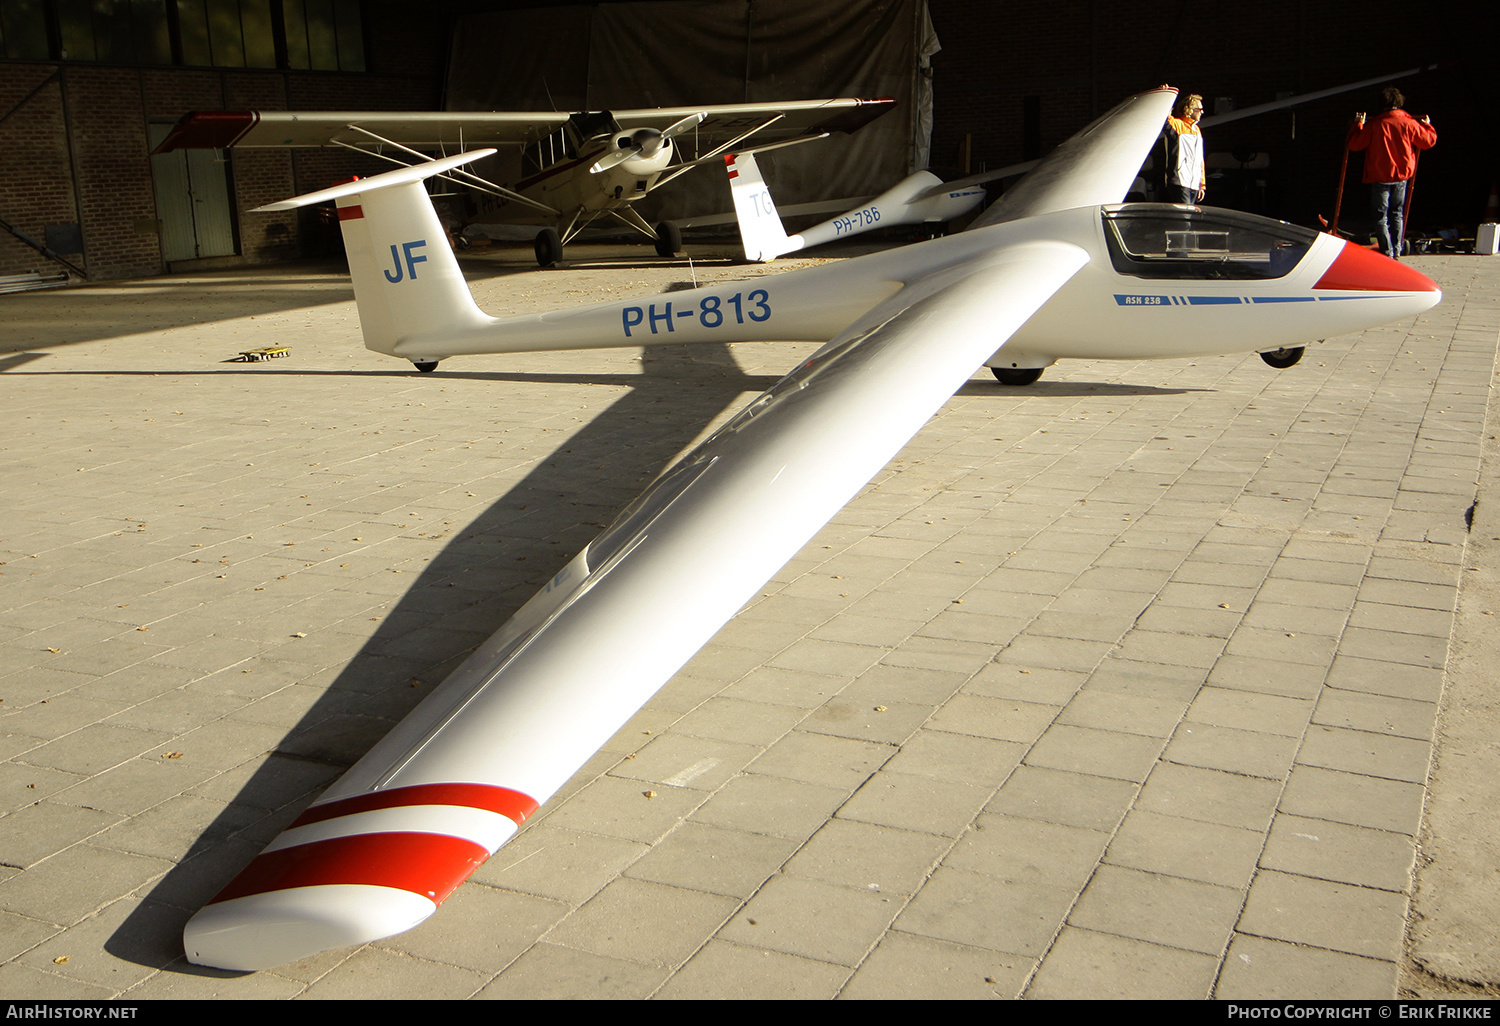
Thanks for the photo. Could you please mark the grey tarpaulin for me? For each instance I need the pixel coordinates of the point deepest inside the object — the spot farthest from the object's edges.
(659, 54)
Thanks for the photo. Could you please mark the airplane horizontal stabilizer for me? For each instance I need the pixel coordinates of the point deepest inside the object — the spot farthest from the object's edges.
(407, 282)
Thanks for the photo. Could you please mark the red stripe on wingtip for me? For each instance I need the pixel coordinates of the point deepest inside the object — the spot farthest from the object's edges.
(514, 805)
(1357, 269)
(213, 129)
(432, 865)
(351, 213)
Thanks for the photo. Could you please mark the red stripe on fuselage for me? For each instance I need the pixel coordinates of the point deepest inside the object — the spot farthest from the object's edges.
(512, 804)
(432, 865)
(1357, 269)
(555, 169)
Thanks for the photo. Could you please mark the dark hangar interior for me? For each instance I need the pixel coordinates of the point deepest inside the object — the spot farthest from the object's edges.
(87, 89)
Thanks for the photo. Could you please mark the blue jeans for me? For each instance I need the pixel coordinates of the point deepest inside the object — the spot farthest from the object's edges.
(1388, 203)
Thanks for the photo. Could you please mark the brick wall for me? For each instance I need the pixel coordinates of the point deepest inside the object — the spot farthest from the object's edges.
(113, 172)
(77, 151)
(36, 174)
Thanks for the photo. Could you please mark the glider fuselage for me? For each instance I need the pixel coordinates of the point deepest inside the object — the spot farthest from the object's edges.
(1171, 304)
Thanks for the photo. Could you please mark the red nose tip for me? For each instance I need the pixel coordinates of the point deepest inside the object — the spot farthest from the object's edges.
(1365, 270)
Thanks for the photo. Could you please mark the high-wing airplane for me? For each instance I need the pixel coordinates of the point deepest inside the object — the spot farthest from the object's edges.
(576, 167)
(1057, 266)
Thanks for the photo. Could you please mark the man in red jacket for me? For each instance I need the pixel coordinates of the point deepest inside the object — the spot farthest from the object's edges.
(1391, 142)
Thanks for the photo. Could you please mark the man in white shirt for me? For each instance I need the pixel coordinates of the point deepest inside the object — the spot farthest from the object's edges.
(1186, 180)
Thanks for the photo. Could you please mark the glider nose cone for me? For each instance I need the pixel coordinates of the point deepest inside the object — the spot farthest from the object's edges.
(1357, 269)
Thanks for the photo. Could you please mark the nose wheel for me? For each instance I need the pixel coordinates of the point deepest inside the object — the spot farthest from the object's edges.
(1283, 358)
(425, 366)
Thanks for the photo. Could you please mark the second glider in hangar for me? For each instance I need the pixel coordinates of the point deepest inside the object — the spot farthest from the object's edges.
(577, 168)
(1057, 263)
(922, 198)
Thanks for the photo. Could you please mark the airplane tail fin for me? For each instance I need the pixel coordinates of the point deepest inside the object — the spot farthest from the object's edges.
(761, 230)
(407, 283)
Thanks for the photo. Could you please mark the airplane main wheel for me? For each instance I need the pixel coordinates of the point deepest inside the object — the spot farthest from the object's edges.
(668, 239)
(425, 366)
(1017, 375)
(548, 248)
(1281, 359)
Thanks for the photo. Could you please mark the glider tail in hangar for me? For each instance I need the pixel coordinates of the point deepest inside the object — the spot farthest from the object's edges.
(407, 283)
(761, 229)
(919, 198)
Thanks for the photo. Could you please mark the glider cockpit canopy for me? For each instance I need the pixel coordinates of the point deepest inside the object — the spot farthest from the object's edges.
(1168, 240)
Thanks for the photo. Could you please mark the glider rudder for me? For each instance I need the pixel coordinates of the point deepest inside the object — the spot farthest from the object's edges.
(407, 283)
(761, 230)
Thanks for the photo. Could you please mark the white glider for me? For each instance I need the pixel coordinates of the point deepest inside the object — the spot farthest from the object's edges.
(1052, 267)
(920, 198)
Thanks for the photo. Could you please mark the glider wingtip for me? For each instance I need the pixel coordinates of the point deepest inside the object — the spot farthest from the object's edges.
(261, 931)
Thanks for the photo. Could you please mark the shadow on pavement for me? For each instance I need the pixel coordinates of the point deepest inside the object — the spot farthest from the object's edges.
(466, 592)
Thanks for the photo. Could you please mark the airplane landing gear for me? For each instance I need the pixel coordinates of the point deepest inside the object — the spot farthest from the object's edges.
(1283, 358)
(1017, 375)
(425, 366)
(668, 239)
(548, 248)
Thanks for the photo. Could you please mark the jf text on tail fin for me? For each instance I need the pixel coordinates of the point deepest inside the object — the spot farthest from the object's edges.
(407, 283)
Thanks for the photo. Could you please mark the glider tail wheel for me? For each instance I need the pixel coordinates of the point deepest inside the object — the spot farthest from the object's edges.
(1283, 358)
(1017, 375)
(668, 239)
(425, 366)
(548, 248)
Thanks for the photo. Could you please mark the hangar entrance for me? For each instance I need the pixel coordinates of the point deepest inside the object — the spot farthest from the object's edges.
(192, 201)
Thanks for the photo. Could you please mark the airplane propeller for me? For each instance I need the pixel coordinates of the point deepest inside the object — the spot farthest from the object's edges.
(645, 142)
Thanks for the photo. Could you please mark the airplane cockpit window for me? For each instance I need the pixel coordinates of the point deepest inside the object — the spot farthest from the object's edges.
(1164, 240)
(586, 124)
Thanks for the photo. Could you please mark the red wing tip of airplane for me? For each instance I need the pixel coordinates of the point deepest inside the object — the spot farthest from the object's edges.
(208, 130)
(1357, 269)
(430, 865)
(511, 804)
(354, 870)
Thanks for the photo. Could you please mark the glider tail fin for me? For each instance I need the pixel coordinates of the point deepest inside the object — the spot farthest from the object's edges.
(407, 283)
(761, 230)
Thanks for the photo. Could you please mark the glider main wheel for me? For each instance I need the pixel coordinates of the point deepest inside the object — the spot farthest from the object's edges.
(668, 239)
(1283, 358)
(548, 248)
(1017, 375)
(425, 366)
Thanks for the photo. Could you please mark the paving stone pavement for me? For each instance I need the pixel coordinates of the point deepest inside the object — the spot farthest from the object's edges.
(1123, 684)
